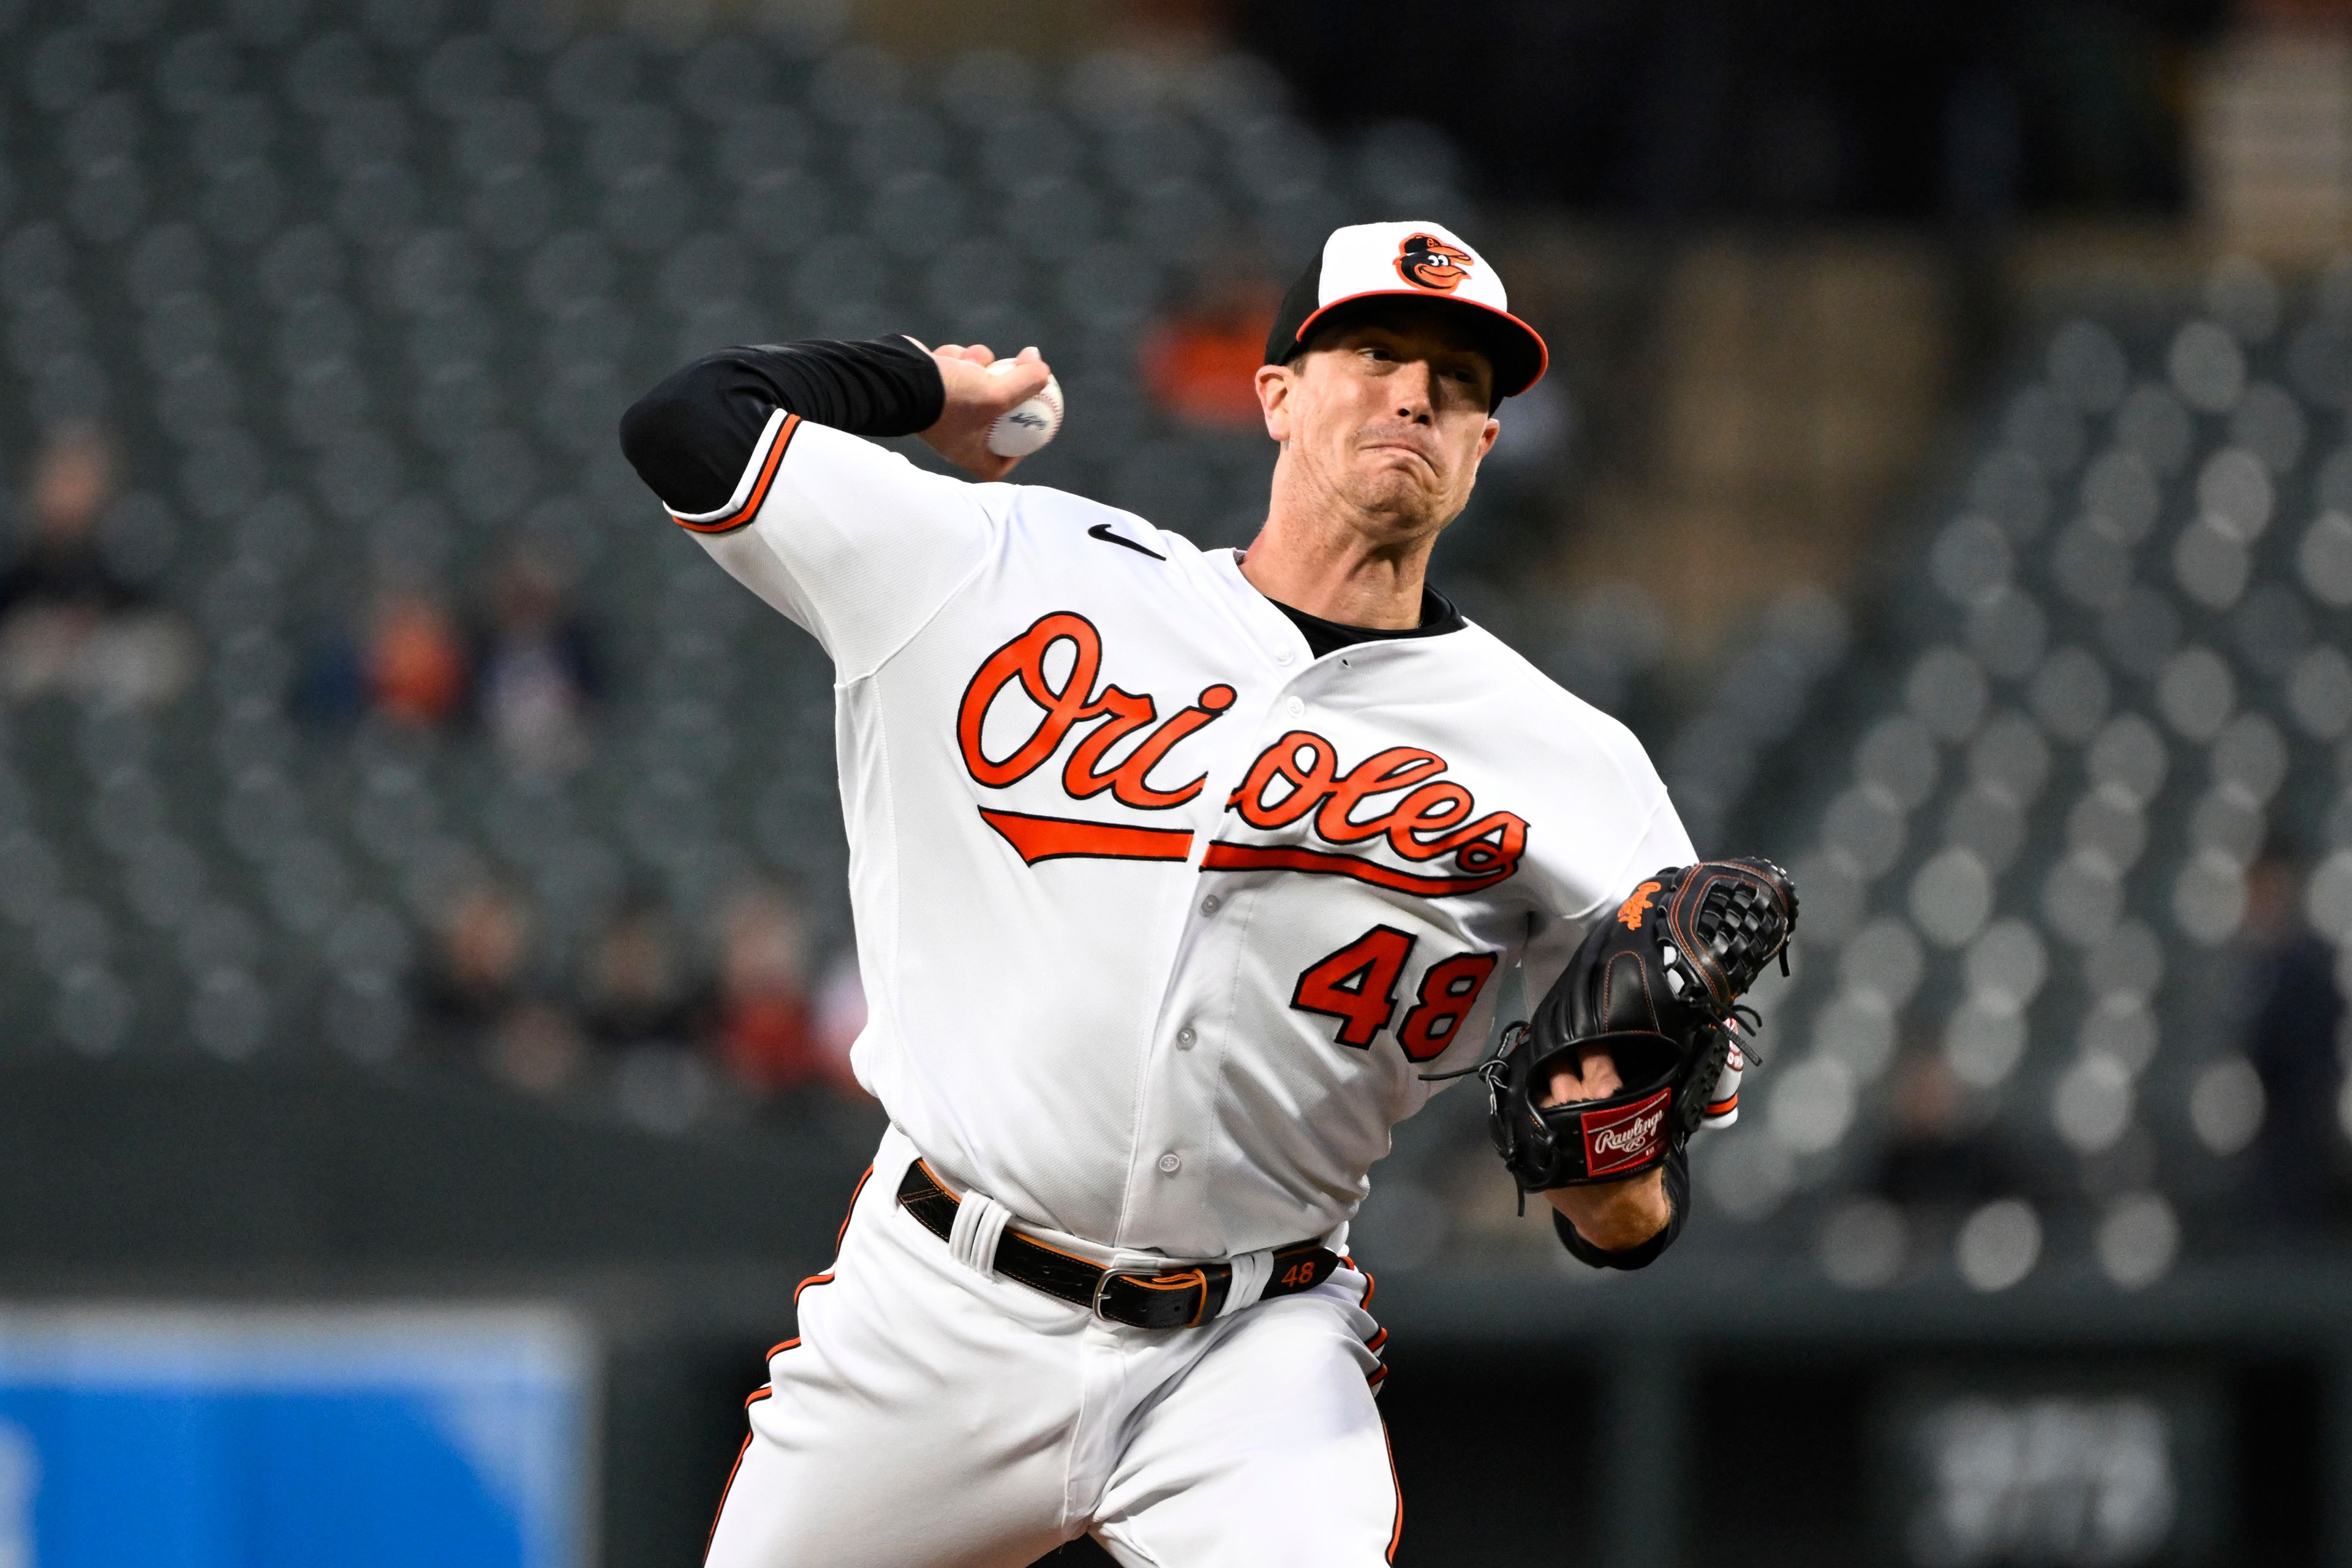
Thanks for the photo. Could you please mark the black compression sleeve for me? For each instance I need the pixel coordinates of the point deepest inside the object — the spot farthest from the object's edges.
(1641, 1256)
(690, 438)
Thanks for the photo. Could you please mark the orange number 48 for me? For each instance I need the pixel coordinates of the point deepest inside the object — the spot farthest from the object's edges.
(1358, 985)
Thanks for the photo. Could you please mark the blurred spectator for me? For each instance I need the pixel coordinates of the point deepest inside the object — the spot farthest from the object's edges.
(1200, 364)
(479, 1000)
(765, 1028)
(2294, 1017)
(415, 666)
(1940, 1161)
(536, 1049)
(62, 566)
(537, 671)
(478, 973)
(67, 620)
(635, 991)
(642, 1012)
(409, 665)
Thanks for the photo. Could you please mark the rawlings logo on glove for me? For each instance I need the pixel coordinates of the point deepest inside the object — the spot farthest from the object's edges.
(1620, 1140)
(1657, 988)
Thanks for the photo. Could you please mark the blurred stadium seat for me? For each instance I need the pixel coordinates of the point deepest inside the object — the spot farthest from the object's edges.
(2025, 813)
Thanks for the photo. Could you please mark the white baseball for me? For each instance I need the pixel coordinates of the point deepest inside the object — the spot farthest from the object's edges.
(1022, 429)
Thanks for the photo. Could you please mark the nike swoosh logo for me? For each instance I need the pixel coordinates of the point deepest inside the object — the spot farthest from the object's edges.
(1102, 531)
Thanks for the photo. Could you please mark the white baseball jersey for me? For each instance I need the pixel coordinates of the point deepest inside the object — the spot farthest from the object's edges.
(1163, 919)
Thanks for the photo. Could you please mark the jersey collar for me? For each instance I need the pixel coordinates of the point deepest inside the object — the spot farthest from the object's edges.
(1278, 628)
(1282, 643)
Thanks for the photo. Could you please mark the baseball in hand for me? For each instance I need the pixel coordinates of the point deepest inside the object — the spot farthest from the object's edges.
(1023, 429)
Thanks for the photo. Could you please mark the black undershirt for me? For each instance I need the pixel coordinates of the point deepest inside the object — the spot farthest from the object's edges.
(1438, 616)
(690, 437)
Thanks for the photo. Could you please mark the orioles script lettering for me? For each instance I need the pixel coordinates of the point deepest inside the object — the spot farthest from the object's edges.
(1431, 817)
(1115, 715)
(1396, 799)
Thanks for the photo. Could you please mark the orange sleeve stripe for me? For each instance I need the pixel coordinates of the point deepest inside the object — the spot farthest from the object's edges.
(758, 496)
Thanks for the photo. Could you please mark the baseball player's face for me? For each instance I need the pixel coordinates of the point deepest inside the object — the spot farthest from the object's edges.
(1386, 417)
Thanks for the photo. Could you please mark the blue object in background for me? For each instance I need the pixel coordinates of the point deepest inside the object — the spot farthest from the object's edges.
(360, 1438)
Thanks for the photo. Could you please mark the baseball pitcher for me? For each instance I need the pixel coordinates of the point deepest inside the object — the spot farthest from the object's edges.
(1181, 877)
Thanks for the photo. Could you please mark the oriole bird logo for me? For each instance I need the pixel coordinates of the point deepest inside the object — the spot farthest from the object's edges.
(1631, 912)
(1426, 261)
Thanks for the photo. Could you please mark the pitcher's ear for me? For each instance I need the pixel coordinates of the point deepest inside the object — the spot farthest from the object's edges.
(1276, 384)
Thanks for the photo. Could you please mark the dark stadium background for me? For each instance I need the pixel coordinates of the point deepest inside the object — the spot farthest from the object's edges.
(421, 876)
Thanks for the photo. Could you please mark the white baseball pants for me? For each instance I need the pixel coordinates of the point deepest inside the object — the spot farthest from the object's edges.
(929, 1416)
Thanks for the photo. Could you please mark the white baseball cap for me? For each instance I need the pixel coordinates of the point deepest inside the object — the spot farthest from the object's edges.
(1412, 261)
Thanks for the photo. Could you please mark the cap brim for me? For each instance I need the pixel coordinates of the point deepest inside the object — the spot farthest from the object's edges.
(1515, 349)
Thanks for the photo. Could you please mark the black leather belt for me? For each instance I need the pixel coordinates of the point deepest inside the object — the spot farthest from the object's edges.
(1139, 1298)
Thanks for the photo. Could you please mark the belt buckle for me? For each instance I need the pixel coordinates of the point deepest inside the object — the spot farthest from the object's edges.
(1103, 1284)
(1102, 1288)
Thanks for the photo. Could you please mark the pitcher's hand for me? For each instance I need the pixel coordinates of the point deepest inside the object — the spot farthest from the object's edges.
(976, 397)
(1611, 1216)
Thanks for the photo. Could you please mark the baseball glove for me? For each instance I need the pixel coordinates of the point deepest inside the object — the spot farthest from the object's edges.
(1657, 986)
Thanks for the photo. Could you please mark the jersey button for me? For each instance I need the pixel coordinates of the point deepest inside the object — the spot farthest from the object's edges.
(1210, 904)
(1283, 656)
(1184, 1037)
(1296, 707)
(1170, 1163)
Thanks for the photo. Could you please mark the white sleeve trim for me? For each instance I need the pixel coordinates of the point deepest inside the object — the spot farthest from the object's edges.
(750, 476)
